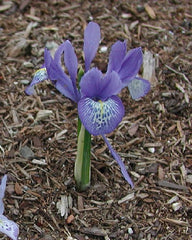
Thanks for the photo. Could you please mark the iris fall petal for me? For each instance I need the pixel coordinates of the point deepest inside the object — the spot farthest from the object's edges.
(138, 87)
(119, 161)
(39, 76)
(60, 79)
(9, 227)
(2, 193)
(100, 117)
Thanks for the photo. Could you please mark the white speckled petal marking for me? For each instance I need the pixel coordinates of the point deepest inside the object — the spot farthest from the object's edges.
(100, 117)
(39, 76)
(9, 227)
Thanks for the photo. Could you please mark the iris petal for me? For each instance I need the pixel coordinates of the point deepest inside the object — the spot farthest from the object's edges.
(90, 83)
(111, 85)
(138, 87)
(70, 59)
(131, 65)
(66, 90)
(39, 76)
(63, 83)
(92, 37)
(119, 161)
(9, 227)
(2, 193)
(94, 84)
(100, 117)
(117, 54)
(71, 63)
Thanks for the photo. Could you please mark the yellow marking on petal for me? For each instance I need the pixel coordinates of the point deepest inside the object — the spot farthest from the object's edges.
(101, 107)
(40, 71)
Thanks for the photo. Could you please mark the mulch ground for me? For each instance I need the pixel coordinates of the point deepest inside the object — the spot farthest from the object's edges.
(38, 135)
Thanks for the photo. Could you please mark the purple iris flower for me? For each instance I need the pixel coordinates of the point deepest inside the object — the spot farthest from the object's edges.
(127, 65)
(53, 70)
(7, 226)
(99, 108)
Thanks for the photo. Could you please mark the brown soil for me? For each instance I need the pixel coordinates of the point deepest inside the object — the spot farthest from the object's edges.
(154, 138)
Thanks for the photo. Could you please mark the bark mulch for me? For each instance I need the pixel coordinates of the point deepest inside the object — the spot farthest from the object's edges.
(38, 136)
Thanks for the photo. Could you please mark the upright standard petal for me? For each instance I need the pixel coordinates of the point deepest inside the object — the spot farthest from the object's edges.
(100, 117)
(92, 37)
(39, 76)
(2, 193)
(94, 85)
(117, 54)
(71, 63)
(112, 85)
(70, 60)
(119, 161)
(138, 88)
(9, 227)
(59, 78)
(90, 83)
(130, 65)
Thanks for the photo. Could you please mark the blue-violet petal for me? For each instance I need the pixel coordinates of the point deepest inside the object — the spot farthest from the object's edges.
(138, 87)
(94, 85)
(39, 76)
(9, 227)
(131, 65)
(92, 37)
(70, 60)
(100, 117)
(119, 161)
(2, 193)
(117, 54)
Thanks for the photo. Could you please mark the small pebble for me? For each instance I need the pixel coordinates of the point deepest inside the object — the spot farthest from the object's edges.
(189, 179)
(103, 49)
(26, 152)
(24, 82)
(28, 65)
(151, 150)
(130, 231)
(176, 206)
(126, 15)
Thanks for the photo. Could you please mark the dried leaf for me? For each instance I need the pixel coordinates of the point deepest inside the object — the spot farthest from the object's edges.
(18, 189)
(70, 219)
(133, 129)
(43, 114)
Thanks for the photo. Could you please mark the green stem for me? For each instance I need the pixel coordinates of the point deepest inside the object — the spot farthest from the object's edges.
(82, 170)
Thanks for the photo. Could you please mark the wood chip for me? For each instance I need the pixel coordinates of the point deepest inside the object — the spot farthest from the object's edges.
(133, 129)
(64, 205)
(94, 231)
(70, 219)
(5, 7)
(43, 114)
(175, 221)
(128, 197)
(150, 11)
(18, 189)
(167, 184)
(80, 203)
